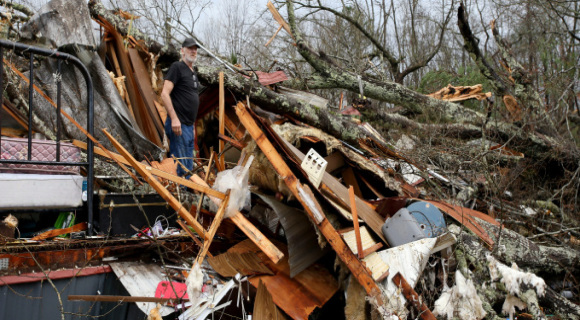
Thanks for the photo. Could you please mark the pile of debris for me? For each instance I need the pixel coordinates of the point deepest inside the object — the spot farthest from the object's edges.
(278, 218)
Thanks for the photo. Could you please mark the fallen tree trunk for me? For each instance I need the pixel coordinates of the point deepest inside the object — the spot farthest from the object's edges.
(326, 76)
(533, 145)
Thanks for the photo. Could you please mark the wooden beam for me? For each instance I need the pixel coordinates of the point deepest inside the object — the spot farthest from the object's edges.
(371, 249)
(117, 299)
(307, 199)
(274, 36)
(156, 172)
(222, 107)
(253, 233)
(413, 297)
(238, 145)
(213, 228)
(355, 222)
(349, 179)
(207, 172)
(233, 128)
(57, 232)
(153, 182)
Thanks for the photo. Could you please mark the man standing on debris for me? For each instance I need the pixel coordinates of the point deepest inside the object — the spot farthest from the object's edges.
(181, 99)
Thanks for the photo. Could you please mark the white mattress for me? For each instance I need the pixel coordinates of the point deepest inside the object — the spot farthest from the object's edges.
(40, 191)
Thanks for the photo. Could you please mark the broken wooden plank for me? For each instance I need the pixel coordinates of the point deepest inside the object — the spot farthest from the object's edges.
(355, 222)
(264, 307)
(274, 36)
(372, 249)
(15, 114)
(57, 232)
(279, 18)
(164, 193)
(161, 111)
(297, 296)
(206, 177)
(137, 101)
(461, 93)
(349, 179)
(465, 216)
(234, 129)
(238, 145)
(413, 297)
(253, 233)
(310, 204)
(217, 220)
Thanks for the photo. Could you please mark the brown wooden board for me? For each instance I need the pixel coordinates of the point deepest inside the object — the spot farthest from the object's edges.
(413, 297)
(143, 81)
(465, 216)
(57, 232)
(264, 307)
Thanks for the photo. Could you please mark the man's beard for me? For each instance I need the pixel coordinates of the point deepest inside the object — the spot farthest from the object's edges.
(190, 59)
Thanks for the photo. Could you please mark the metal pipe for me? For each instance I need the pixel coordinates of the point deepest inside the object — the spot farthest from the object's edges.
(30, 105)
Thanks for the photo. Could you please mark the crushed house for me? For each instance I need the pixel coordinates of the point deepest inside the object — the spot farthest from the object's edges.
(278, 219)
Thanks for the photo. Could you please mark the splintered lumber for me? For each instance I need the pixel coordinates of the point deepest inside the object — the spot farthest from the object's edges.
(308, 201)
(236, 144)
(164, 193)
(57, 232)
(460, 93)
(255, 235)
(274, 36)
(355, 222)
(279, 18)
(213, 228)
(413, 297)
(154, 171)
(206, 177)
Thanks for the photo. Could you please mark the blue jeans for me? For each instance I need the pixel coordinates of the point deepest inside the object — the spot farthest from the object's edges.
(181, 147)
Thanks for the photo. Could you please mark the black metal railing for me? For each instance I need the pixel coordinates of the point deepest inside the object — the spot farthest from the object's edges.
(61, 57)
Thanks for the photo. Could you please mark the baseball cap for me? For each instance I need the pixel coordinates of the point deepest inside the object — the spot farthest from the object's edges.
(189, 42)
